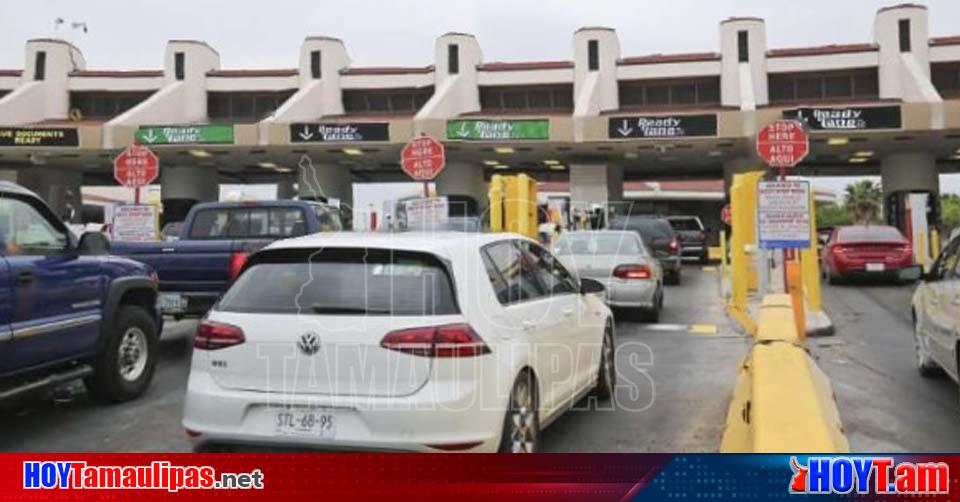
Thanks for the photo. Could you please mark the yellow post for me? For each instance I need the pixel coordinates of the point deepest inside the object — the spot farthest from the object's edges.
(749, 224)
(922, 250)
(795, 288)
(738, 255)
(723, 251)
(935, 244)
(810, 262)
(496, 203)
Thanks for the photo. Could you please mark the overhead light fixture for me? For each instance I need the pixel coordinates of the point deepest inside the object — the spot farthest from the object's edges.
(552, 162)
(715, 153)
(865, 153)
(503, 150)
(501, 166)
(631, 155)
(558, 167)
(492, 163)
(268, 165)
(203, 154)
(353, 151)
(838, 141)
(859, 160)
(283, 170)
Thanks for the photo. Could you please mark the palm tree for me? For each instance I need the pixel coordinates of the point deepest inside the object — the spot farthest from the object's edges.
(863, 200)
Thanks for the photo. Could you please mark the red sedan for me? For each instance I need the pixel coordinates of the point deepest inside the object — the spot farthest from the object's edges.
(865, 251)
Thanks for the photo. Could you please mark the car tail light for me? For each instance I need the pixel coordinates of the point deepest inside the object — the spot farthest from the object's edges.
(905, 249)
(674, 245)
(154, 278)
(237, 260)
(452, 340)
(632, 272)
(838, 250)
(217, 335)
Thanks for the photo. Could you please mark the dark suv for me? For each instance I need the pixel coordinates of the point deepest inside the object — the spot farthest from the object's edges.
(692, 236)
(659, 236)
(69, 309)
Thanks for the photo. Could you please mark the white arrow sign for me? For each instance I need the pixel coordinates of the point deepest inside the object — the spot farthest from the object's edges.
(150, 137)
(306, 134)
(625, 129)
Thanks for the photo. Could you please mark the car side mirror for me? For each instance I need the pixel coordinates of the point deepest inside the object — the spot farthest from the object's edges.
(591, 287)
(93, 243)
(910, 274)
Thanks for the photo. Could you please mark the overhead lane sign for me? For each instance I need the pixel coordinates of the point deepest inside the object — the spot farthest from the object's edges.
(783, 214)
(178, 135)
(847, 118)
(38, 136)
(339, 132)
(498, 130)
(662, 126)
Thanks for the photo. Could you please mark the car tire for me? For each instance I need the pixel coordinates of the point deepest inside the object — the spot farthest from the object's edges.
(926, 366)
(521, 423)
(607, 371)
(673, 277)
(652, 314)
(125, 365)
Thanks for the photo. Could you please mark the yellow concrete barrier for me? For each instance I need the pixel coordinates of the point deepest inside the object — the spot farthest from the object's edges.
(782, 401)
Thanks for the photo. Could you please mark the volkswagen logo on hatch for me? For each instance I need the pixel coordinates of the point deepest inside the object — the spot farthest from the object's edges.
(309, 344)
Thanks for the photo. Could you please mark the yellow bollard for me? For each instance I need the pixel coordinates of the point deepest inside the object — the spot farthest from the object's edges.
(795, 288)
(496, 203)
(810, 263)
(738, 255)
(723, 251)
(921, 253)
(935, 244)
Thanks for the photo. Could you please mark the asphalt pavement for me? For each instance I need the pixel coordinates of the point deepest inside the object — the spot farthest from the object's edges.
(885, 405)
(673, 391)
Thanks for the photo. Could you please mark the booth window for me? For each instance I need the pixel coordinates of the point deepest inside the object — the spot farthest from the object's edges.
(40, 66)
(904, 27)
(453, 59)
(670, 93)
(315, 72)
(240, 107)
(593, 55)
(385, 101)
(860, 84)
(534, 98)
(179, 65)
(946, 78)
(104, 104)
(743, 46)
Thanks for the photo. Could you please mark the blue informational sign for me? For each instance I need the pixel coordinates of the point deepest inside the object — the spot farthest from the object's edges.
(783, 214)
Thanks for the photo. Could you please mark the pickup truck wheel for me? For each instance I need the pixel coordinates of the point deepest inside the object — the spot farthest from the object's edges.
(123, 369)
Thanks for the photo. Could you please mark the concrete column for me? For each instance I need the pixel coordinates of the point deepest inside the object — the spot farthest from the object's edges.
(903, 68)
(60, 188)
(43, 92)
(909, 171)
(323, 182)
(744, 83)
(183, 186)
(596, 185)
(462, 178)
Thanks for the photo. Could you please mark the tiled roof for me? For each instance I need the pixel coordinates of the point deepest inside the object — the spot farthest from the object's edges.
(386, 70)
(117, 73)
(527, 65)
(285, 72)
(821, 50)
(671, 58)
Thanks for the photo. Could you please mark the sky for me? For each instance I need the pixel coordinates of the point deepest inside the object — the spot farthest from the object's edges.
(131, 34)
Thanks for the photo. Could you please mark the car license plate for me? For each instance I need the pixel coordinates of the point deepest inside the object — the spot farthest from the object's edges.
(173, 304)
(876, 267)
(314, 422)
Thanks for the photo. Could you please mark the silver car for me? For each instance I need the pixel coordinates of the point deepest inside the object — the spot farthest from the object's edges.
(621, 261)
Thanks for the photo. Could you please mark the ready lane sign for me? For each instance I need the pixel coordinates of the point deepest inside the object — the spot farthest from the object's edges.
(341, 132)
(672, 126)
(783, 214)
(136, 167)
(177, 135)
(423, 158)
(783, 143)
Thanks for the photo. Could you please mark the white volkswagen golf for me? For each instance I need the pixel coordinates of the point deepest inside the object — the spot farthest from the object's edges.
(411, 342)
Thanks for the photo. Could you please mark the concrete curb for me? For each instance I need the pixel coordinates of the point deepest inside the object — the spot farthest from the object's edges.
(819, 324)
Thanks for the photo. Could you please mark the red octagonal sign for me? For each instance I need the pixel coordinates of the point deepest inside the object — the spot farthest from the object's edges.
(783, 143)
(423, 158)
(136, 166)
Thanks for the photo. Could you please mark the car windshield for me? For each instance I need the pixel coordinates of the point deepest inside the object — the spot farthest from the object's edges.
(649, 228)
(603, 244)
(870, 234)
(685, 224)
(343, 282)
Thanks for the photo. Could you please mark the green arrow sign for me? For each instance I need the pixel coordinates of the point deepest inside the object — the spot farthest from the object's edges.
(498, 130)
(174, 135)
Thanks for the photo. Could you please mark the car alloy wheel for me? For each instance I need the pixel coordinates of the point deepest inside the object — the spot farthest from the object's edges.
(523, 417)
(132, 354)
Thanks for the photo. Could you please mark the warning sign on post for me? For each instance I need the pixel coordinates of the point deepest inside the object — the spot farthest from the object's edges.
(135, 223)
(783, 214)
(427, 213)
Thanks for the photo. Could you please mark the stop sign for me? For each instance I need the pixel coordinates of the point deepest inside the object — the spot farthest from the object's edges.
(783, 143)
(136, 166)
(423, 158)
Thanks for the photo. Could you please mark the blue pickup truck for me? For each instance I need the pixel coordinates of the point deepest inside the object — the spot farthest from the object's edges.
(214, 243)
(68, 309)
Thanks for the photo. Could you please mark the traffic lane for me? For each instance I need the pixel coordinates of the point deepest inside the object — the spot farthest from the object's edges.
(674, 387)
(66, 419)
(884, 403)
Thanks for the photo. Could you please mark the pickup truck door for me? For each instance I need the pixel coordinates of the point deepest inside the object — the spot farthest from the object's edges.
(56, 294)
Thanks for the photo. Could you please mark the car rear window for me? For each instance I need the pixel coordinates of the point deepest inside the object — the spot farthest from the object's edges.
(685, 224)
(342, 281)
(649, 228)
(869, 234)
(248, 223)
(598, 244)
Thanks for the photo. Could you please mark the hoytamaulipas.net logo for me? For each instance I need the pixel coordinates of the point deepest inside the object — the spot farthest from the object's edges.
(868, 475)
(159, 475)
